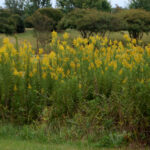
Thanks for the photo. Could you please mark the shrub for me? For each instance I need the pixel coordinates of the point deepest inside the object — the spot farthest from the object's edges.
(7, 25)
(10, 23)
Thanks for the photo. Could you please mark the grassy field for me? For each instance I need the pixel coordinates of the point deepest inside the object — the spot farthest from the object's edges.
(24, 145)
(30, 37)
(27, 145)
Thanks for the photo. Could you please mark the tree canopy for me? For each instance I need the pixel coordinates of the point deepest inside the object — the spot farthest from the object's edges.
(137, 22)
(26, 6)
(143, 4)
(68, 5)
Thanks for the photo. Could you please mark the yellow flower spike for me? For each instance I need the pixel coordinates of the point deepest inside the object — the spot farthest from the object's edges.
(52, 55)
(31, 74)
(66, 36)
(41, 51)
(44, 74)
(64, 43)
(29, 86)
(126, 37)
(16, 73)
(72, 65)
(37, 57)
(125, 80)
(54, 34)
(134, 41)
(61, 47)
(15, 88)
(80, 86)
(98, 63)
(60, 70)
(5, 40)
(110, 42)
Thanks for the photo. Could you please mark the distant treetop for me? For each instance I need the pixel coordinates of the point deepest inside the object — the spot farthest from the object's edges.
(143, 4)
(68, 5)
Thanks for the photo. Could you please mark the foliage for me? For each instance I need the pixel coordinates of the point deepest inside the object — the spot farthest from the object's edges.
(140, 4)
(68, 5)
(19, 23)
(28, 22)
(40, 3)
(89, 21)
(137, 22)
(16, 6)
(46, 19)
(6, 24)
(91, 85)
(11, 23)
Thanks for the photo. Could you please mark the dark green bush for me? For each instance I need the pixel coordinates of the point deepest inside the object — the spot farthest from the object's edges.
(10, 23)
(7, 25)
(19, 23)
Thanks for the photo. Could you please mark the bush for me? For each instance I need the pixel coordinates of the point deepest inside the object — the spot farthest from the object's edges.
(7, 25)
(10, 23)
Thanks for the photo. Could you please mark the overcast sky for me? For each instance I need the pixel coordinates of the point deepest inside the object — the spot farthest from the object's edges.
(122, 3)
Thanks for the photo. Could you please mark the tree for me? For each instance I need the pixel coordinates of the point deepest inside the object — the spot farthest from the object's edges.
(26, 7)
(16, 6)
(68, 5)
(144, 4)
(40, 3)
(137, 22)
(44, 21)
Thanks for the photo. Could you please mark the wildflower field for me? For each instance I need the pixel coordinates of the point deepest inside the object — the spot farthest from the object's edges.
(91, 85)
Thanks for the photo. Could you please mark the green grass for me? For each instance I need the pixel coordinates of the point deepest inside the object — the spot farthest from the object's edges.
(7, 144)
(27, 138)
(28, 145)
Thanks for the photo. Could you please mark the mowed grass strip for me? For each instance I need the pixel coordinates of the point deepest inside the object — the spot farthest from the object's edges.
(28, 145)
(9, 144)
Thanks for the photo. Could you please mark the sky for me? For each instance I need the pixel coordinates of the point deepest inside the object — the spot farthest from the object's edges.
(122, 3)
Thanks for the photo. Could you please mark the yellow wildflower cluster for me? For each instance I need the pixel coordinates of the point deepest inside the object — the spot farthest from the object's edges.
(96, 55)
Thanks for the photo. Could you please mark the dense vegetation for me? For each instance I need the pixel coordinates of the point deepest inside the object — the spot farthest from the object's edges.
(89, 87)
(96, 83)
